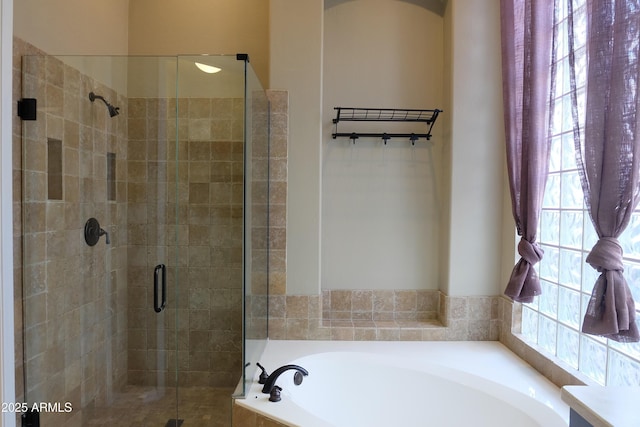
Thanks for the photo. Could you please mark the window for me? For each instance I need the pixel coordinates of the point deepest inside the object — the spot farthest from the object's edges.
(554, 319)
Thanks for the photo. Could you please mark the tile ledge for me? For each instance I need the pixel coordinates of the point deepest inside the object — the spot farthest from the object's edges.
(384, 324)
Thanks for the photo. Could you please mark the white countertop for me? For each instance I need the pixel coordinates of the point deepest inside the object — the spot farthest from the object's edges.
(605, 406)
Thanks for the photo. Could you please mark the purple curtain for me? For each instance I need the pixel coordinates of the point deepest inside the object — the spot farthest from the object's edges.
(608, 156)
(526, 28)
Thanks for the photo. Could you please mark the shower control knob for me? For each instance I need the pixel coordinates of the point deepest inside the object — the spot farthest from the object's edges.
(92, 232)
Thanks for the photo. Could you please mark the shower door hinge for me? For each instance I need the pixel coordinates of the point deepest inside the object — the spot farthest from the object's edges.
(27, 108)
(242, 57)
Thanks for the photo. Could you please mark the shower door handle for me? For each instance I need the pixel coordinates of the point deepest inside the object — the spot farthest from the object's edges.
(160, 273)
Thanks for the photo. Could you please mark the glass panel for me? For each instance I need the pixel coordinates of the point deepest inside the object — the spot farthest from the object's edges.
(571, 196)
(549, 227)
(547, 334)
(623, 371)
(593, 359)
(556, 124)
(548, 299)
(567, 235)
(570, 268)
(256, 216)
(211, 110)
(529, 324)
(571, 229)
(566, 113)
(568, 344)
(554, 156)
(549, 264)
(551, 197)
(569, 158)
(569, 307)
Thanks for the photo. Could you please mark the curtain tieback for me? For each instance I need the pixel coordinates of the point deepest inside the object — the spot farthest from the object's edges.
(606, 254)
(530, 252)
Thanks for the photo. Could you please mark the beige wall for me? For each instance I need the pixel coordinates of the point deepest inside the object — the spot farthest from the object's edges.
(296, 65)
(74, 27)
(147, 27)
(169, 27)
(381, 205)
(477, 158)
(474, 223)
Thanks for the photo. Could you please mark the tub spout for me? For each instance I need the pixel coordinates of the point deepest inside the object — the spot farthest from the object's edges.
(271, 380)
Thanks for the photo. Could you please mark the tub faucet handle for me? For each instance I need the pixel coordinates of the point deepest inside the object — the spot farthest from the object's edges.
(275, 396)
(263, 375)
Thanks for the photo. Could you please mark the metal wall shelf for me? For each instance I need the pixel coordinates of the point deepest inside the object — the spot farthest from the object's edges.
(349, 114)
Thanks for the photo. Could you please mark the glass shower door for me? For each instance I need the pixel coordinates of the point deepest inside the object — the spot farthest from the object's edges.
(153, 273)
(99, 319)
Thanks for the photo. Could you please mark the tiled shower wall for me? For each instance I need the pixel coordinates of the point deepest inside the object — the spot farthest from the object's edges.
(74, 332)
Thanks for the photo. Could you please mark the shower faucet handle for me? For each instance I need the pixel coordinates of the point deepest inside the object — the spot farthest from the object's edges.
(104, 233)
(93, 231)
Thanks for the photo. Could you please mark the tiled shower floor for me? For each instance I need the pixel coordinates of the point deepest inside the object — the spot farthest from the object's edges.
(138, 406)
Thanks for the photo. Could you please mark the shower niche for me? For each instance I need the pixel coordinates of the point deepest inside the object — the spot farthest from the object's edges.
(173, 162)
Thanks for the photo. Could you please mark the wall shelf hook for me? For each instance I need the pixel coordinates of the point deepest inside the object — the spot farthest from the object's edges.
(349, 114)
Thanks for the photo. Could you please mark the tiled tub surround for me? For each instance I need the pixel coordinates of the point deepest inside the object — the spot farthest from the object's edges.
(496, 318)
(459, 319)
(476, 318)
(400, 315)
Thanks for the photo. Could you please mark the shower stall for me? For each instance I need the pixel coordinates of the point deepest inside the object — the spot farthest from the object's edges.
(145, 191)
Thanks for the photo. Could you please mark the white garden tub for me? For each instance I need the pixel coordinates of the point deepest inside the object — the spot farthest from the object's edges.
(369, 384)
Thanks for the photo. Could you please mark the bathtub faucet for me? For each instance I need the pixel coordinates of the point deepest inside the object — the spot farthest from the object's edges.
(297, 378)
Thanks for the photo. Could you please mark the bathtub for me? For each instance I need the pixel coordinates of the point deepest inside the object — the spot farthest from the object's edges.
(450, 384)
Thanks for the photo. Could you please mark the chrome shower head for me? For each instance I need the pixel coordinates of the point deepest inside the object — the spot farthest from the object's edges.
(113, 111)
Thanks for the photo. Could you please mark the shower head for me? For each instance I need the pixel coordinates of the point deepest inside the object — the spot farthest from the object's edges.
(113, 111)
